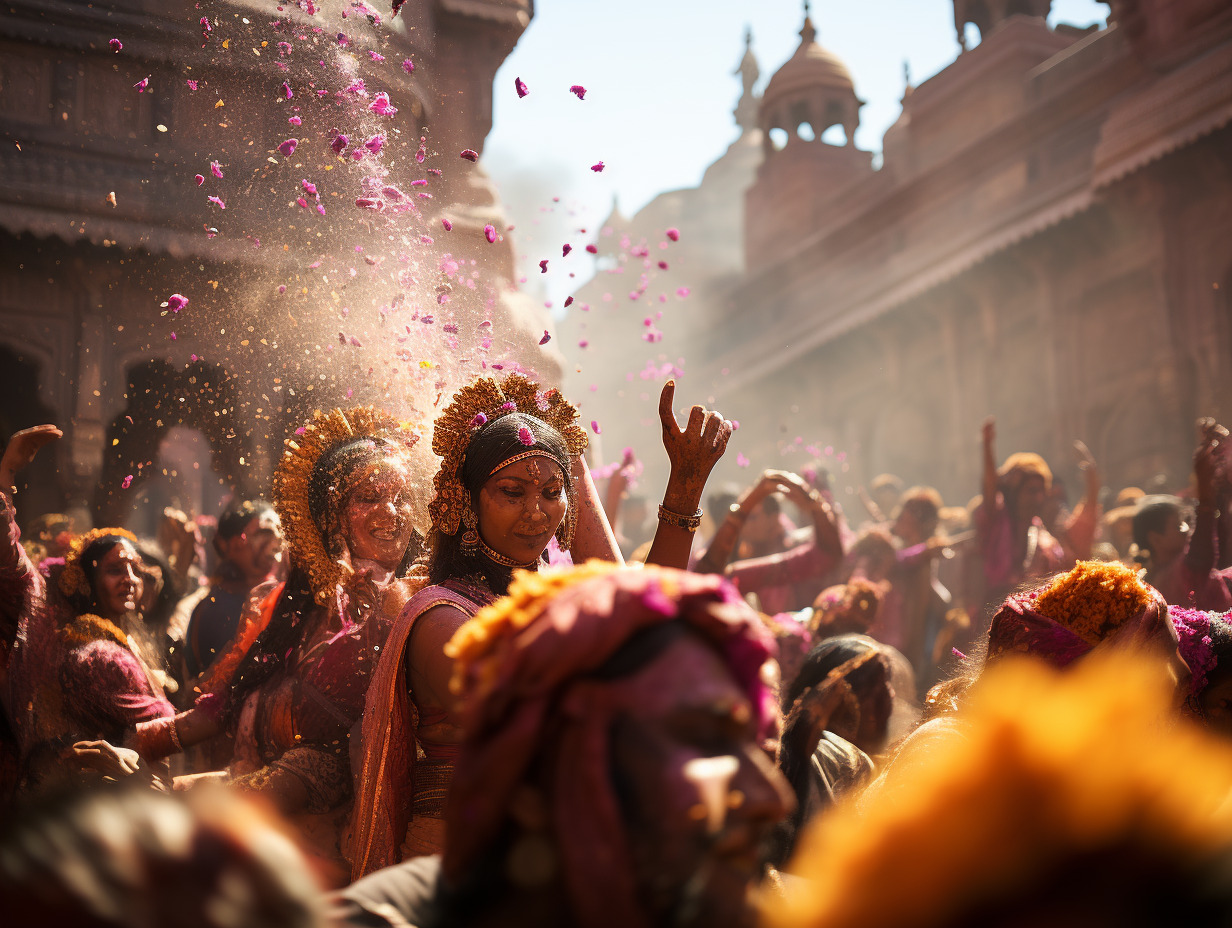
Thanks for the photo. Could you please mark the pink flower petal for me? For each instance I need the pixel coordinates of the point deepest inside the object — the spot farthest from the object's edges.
(579, 91)
(127, 481)
(594, 427)
(200, 179)
(479, 420)
(525, 435)
(216, 169)
(568, 301)
(295, 121)
(565, 249)
(592, 249)
(408, 66)
(286, 91)
(741, 460)
(447, 224)
(663, 265)
(673, 234)
(470, 155)
(543, 266)
(381, 106)
(116, 45)
(192, 85)
(142, 84)
(518, 84)
(176, 302)
(597, 168)
(288, 147)
(339, 143)
(217, 201)
(489, 233)
(376, 56)
(422, 153)
(375, 143)
(546, 338)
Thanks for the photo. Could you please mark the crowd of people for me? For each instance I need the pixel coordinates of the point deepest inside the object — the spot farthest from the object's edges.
(424, 689)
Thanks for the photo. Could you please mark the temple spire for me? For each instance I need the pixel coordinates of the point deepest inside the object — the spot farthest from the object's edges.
(808, 34)
(746, 109)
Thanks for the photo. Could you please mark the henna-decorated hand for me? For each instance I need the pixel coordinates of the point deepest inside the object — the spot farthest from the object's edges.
(22, 448)
(693, 451)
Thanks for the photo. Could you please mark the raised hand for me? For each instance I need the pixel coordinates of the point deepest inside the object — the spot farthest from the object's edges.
(693, 451)
(22, 448)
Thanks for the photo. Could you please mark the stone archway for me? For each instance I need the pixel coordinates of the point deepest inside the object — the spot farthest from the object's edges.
(161, 396)
(39, 486)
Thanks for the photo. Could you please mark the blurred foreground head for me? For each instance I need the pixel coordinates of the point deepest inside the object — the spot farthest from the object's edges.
(133, 858)
(614, 759)
(1058, 799)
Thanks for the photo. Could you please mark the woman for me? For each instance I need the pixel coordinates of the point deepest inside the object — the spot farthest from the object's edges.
(293, 683)
(511, 479)
(1206, 646)
(72, 669)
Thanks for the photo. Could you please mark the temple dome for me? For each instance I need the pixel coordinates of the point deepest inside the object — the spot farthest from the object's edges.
(811, 67)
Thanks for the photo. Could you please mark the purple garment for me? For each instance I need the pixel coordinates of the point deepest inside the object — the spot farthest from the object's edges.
(1005, 564)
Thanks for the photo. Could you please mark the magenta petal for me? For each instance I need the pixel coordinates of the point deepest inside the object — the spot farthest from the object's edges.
(192, 85)
(673, 234)
(592, 249)
(339, 143)
(479, 420)
(470, 155)
(408, 66)
(546, 338)
(579, 91)
(543, 266)
(216, 169)
(564, 251)
(116, 45)
(597, 168)
(200, 179)
(520, 86)
(127, 481)
(594, 427)
(176, 302)
(525, 435)
(217, 201)
(288, 147)
(286, 90)
(568, 301)
(142, 84)
(447, 224)
(489, 233)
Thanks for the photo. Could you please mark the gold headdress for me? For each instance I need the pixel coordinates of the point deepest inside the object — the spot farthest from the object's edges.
(474, 406)
(293, 484)
(73, 580)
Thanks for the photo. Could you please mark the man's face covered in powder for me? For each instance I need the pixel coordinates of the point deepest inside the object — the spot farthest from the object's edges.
(377, 518)
(521, 506)
(698, 791)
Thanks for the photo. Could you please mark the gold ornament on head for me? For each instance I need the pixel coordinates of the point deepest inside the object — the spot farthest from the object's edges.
(73, 580)
(293, 482)
(474, 406)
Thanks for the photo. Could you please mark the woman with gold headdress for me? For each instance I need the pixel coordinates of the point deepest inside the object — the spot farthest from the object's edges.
(292, 685)
(511, 479)
(71, 669)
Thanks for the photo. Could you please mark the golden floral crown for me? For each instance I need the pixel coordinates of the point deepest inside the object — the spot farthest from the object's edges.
(73, 580)
(474, 406)
(293, 480)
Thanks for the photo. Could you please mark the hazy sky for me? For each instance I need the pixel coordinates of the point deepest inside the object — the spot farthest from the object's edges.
(659, 96)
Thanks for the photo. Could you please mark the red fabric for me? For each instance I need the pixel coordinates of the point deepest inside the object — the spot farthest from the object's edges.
(535, 684)
(107, 691)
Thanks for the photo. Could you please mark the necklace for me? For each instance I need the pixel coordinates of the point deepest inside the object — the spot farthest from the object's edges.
(498, 558)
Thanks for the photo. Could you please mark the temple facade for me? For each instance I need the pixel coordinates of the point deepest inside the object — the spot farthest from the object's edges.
(1047, 240)
(100, 221)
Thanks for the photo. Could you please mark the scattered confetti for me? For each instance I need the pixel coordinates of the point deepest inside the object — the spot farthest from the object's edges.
(116, 45)
(470, 155)
(579, 91)
(518, 84)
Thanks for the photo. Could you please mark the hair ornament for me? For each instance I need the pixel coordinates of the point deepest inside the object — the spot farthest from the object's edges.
(293, 477)
(73, 580)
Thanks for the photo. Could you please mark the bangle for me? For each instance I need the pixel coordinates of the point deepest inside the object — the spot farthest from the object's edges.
(175, 736)
(680, 521)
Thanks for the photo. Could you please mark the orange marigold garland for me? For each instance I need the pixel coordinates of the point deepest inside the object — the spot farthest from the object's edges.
(474, 406)
(1093, 599)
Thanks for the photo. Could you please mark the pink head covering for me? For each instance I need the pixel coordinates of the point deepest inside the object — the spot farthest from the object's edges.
(529, 678)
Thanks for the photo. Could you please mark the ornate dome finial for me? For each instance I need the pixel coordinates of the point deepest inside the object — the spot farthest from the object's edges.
(808, 35)
(746, 109)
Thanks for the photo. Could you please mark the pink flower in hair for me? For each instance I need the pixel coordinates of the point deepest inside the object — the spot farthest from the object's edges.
(479, 420)
(509, 406)
(526, 436)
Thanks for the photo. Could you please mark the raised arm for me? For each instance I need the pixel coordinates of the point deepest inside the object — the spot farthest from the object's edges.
(20, 582)
(1203, 551)
(693, 451)
(990, 464)
(1085, 519)
(593, 537)
(723, 544)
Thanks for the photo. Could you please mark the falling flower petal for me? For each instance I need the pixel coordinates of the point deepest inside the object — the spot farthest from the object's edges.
(142, 84)
(422, 153)
(376, 56)
(286, 91)
(564, 251)
(127, 481)
(217, 201)
(375, 143)
(381, 106)
(519, 85)
(741, 460)
(408, 66)
(489, 233)
(116, 45)
(288, 147)
(470, 155)
(295, 121)
(579, 91)
(447, 224)
(673, 234)
(200, 179)
(216, 169)
(176, 302)
(594, 427)
(663, 265)
(546, 338)
(284, 48)
(597, 168)
(525, 435)
(192, 85)
(369, 203)
(543, 266)
(339, 143)
(568, 301)
(592, 249)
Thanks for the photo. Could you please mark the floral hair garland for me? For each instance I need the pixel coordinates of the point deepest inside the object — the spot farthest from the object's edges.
(473, 407)
(73, 581)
